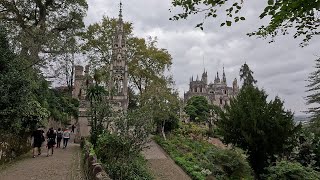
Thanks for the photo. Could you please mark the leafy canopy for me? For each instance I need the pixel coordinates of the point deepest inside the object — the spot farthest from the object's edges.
(40, 26)
(300, 16)
(146, 62)
(197, 108)
(21, 110)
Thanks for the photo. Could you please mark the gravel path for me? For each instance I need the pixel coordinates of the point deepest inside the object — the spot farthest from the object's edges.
(63, 165)
(161, 165)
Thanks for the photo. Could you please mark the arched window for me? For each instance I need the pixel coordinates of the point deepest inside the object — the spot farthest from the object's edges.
(220, 100)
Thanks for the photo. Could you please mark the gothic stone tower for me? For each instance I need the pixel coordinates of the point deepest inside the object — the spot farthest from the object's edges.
(118, 87)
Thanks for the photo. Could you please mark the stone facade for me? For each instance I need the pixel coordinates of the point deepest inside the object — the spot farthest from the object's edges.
(217, 93)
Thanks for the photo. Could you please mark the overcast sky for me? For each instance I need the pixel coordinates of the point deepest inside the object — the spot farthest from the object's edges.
(281, 68)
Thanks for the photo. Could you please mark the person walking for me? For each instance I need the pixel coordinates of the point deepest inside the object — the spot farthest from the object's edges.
(38, 139)
(59, 137)
(66, 137)
(72, 128)
(51, 140)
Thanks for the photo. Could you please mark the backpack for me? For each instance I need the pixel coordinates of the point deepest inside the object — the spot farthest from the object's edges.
(59, 134)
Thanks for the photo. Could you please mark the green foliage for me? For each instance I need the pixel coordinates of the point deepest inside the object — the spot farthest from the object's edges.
(62, 106)
(98, 40)
(40, 26)
(120, 158)
(100, 111)
(262, 128)
(196, 130)
(200, 159)
(229, 163)
(314, 97)
(298, 15)
(20, 110)
(307, 150)
(246, 75)
(147, 63)
(163, 104)
(197, 108)
(290, 170)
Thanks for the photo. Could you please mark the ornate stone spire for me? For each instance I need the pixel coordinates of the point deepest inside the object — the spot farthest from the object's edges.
(224, 79)
(119, 67)
(204, 77)
(218, 78)
(120, 10)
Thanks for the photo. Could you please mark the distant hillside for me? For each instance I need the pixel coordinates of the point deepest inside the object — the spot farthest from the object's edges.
(302, 118)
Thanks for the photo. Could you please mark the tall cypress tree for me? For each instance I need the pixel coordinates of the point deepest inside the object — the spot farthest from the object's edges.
(247, 75)
(262, 128)
(314, 97)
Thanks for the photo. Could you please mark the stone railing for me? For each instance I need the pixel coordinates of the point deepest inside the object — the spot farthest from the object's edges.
(92, 168)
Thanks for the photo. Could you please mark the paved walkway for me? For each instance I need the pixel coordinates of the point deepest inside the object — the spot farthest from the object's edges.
(161, 165)
(63, 165)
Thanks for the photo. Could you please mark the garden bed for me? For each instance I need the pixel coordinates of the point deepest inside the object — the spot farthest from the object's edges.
(201, 159)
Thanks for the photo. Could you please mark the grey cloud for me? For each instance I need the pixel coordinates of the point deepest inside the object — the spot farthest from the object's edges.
(281, 68)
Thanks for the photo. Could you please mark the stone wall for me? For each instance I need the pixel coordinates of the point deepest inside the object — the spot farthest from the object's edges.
(92, 168)
(12, 146)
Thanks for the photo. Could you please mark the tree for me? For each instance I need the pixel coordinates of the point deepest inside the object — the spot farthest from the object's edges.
(314, 97)
(246, 75)
(63, 63)
(146, 62)
(38, 26)
(163, 104)
(261, 128)
(120, 150)
(300, 16)
(20, 110)
(61, 105)
(197, 108)
(100, 111)
(98, 40)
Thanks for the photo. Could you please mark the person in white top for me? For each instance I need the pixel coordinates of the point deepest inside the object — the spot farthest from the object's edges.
(66, 137)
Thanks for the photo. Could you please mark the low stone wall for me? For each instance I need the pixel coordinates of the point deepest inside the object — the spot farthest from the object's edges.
(12, 146)
(92, 168)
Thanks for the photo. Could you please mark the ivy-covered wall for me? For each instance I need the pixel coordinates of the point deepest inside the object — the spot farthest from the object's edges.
(12, 146)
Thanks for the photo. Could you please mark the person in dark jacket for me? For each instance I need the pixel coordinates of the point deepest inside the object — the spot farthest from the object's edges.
(51, 136)
(38, 139)
(59, 137)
